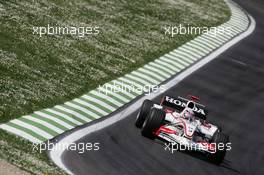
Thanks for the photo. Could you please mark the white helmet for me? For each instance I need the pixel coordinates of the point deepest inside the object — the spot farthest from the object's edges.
(188, 114)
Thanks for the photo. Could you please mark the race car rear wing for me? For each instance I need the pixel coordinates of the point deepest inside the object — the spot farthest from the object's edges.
(179, 103)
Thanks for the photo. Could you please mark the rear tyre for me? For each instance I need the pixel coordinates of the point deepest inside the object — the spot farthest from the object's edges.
(154, 120)
(220, 139)
(143, 113)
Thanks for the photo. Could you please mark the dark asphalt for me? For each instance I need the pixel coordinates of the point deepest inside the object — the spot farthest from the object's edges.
(232, 86)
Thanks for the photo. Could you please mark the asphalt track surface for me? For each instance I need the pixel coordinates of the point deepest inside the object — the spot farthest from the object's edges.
(232, 86)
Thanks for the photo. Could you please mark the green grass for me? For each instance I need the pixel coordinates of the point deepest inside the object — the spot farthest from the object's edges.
(20, 152)
(39, 72)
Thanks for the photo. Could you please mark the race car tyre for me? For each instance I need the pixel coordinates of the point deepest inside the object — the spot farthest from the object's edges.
(143, 113)
(220, 139)
(152, 123)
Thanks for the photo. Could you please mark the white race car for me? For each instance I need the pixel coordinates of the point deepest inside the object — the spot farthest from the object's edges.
(183, 122)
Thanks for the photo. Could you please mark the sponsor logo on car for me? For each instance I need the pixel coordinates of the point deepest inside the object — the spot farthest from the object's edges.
(182, 104)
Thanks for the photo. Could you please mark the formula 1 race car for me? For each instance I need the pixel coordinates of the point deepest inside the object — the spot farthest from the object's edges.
(183, 121)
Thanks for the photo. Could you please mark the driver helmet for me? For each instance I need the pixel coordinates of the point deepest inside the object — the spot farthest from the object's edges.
(188, 114)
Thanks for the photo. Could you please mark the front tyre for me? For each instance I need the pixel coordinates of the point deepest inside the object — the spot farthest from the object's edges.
(152, 123)
(221, 140)
(144, 111)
